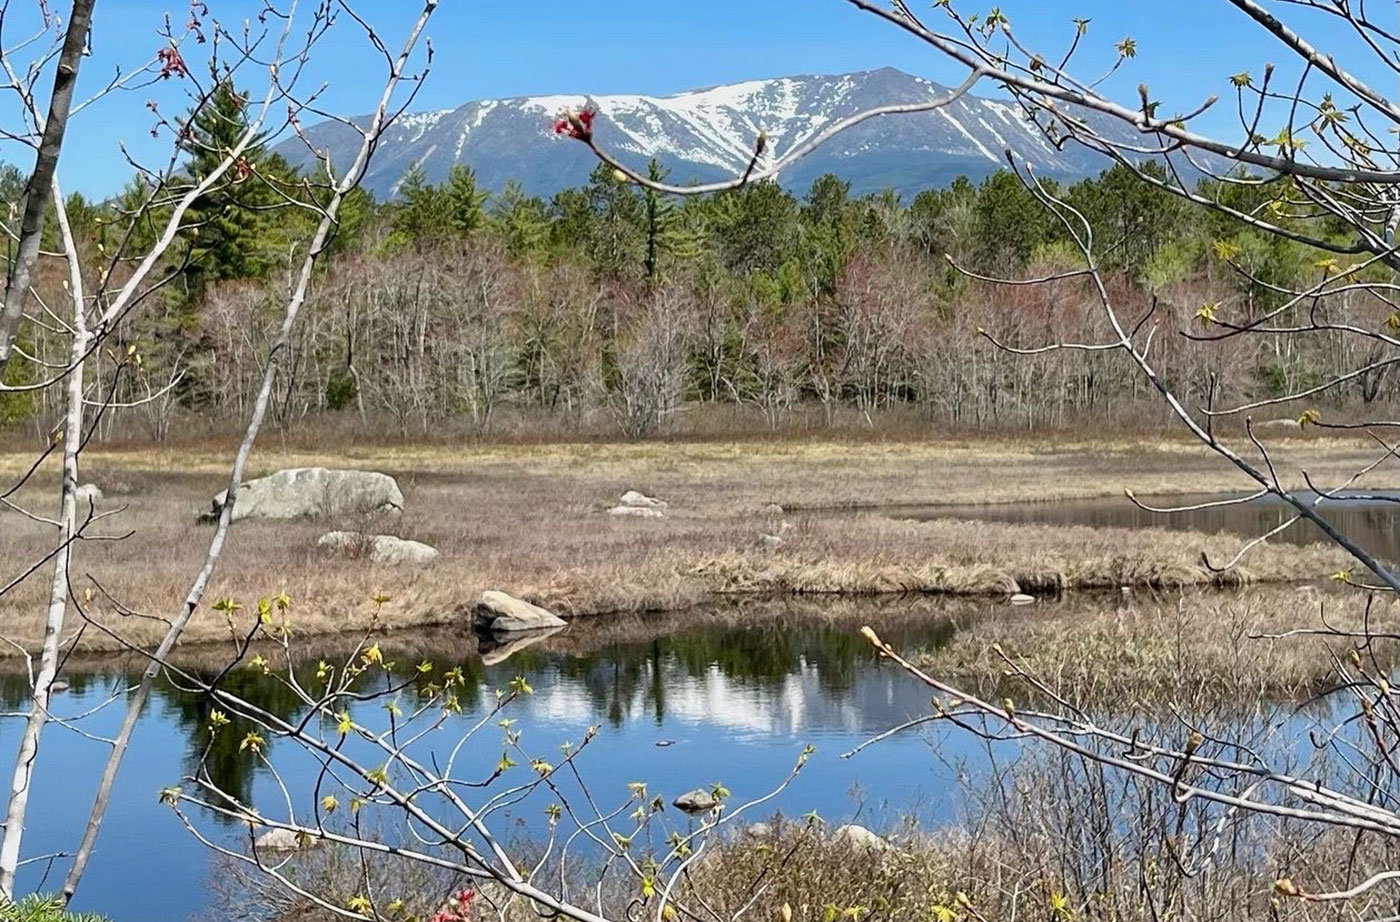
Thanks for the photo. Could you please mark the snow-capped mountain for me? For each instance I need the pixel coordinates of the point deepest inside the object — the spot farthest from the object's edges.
(708, 134)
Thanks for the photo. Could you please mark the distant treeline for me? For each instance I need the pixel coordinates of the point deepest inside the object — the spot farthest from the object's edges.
(448, 309)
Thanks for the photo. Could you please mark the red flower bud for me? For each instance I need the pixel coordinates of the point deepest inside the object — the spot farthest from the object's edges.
(577, 125)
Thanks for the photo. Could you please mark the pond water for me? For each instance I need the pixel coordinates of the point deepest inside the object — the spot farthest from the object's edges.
(1375, 524)
(730, 699)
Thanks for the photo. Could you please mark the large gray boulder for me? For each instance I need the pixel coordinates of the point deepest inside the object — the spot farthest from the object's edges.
(379, 548)
(312, 493)
(504, 614)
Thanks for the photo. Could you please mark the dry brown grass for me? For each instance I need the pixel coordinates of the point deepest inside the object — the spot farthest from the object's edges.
(1055, 863)
(1194, 648)
(530, 520)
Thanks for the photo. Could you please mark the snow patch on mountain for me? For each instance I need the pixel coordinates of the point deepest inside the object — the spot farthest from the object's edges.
(710, 133)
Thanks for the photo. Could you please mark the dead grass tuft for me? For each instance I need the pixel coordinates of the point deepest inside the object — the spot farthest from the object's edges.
(1195, 650)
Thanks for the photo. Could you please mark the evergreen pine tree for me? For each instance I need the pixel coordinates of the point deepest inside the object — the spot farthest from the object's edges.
(464, 201)
(617, 239)
(521, 220)
(225, 226)
(674, 238)
(422, 216)
(570, 219)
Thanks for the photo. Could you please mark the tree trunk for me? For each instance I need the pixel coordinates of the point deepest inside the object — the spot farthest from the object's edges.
(28, 752)
(38, 191)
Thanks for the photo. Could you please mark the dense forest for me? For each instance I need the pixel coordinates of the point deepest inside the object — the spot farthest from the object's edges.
(614, 309)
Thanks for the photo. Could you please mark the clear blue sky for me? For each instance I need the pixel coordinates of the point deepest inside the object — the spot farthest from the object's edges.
(487, 48)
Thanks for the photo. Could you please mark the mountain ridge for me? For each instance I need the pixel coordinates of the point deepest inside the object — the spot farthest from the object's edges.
(707, 134)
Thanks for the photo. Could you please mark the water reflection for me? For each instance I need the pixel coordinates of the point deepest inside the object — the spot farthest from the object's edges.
(733, 698)
(1373, 523)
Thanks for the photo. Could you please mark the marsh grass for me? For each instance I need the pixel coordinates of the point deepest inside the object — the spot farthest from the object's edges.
(1194, 650)
(530, 520)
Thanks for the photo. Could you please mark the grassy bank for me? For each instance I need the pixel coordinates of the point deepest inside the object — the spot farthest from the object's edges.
(1196, 650)
(531, 520)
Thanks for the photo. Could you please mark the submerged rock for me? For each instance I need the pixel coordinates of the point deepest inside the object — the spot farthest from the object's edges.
(696, 801)
(379, 548)
(500, 613)
(312, 493)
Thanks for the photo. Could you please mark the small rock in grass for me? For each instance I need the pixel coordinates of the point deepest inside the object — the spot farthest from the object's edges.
(637, 512)
(1021, 598)
(380, 548)
(637, 500)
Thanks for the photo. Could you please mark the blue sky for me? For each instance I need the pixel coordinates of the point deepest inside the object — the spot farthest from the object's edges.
(486, 48)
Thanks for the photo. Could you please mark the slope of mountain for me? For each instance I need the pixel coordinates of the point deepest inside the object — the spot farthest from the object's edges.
(708, 134)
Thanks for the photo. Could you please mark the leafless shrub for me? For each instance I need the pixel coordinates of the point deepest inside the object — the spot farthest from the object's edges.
(651, 367)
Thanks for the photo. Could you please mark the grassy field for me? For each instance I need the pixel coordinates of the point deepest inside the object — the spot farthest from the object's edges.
(530, 520)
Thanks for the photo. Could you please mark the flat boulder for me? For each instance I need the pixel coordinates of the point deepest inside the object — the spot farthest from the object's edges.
(859, 837)
(312, 493)
(504, 614)
(636, 512)
(379, 548)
